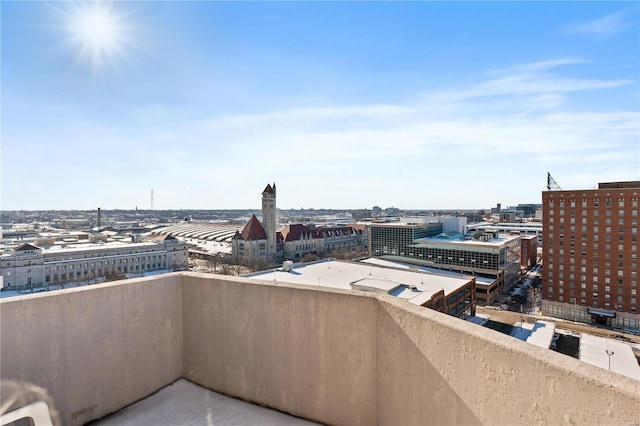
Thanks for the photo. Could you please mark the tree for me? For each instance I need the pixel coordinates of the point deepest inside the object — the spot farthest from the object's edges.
(114, 275)
(533, 297)
(311, 257)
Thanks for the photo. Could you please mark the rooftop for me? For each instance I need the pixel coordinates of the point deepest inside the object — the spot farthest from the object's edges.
(462, 240)
(368, 277)
(379, 261)
(594, 350)
(93, 246)
(185, 403)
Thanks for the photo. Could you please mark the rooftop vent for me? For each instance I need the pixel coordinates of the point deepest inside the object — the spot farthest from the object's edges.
(287, 266)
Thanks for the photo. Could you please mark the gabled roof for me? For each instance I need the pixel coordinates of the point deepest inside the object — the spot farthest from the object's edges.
(333, 232)
(295, 231)
(253, 230)
(26, 246)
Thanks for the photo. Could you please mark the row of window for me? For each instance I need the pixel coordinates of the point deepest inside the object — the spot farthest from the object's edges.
(594, 229)
(596, 203)
(571, 312)
(595, 288)
(106, 263)
(595, 270)
(562, 212)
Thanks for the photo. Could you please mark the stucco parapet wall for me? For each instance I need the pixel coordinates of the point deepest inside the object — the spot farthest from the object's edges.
(97, 348)
(491, 378)
(333, 356)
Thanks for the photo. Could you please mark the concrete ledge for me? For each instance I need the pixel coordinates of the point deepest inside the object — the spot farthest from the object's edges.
(332, 356)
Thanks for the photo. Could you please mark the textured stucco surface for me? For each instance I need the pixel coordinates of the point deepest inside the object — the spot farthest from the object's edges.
(455, 372)
(98, 348)
(331, 356)
(307, 352)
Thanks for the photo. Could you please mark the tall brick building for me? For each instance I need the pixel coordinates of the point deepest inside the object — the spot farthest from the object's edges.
(590, 254)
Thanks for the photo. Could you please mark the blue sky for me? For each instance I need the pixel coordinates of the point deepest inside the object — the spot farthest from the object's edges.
(343, 105)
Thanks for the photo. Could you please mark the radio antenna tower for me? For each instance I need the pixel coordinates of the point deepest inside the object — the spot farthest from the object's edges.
(152, 199)
(552, 185)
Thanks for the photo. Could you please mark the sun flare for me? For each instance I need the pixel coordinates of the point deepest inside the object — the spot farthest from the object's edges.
(98, 31)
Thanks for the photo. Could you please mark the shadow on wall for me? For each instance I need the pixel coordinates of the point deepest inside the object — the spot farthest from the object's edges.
(432, 399)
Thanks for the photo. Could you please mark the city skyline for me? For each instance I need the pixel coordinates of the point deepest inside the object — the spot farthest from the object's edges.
(343, 105)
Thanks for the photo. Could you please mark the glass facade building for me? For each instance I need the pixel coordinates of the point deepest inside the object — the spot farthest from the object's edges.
(393, 239)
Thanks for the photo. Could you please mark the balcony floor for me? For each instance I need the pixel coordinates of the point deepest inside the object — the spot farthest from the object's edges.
(185, 403)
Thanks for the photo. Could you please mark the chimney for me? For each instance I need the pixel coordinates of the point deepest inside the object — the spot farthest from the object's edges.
(99, 218)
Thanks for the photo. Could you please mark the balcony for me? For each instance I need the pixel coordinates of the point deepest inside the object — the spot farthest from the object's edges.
(329, 356)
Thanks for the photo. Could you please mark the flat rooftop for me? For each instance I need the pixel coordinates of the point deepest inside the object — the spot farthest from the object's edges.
(185, 403)
(92, 246)
(539, 334)
(346, 275)
(593, 350)
(458, 239)
(433, 271)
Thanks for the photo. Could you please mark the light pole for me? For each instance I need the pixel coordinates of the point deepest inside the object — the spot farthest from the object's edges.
(521, 317)
(609, 353)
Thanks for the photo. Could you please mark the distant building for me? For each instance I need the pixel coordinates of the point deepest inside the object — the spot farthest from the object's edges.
(523, 228)
(507, 216)
(528, 251)
(393, 238)
(494, 258)
(29, 265)
(590, 254)
(299, 240)
(293, 241)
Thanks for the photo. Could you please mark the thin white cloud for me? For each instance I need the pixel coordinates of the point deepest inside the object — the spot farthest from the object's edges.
(606, 26)
(503, 129)
(539, 66)
(528, 113)
(524, 125)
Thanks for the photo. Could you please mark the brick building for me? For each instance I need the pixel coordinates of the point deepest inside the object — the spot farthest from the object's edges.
(590, 254)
